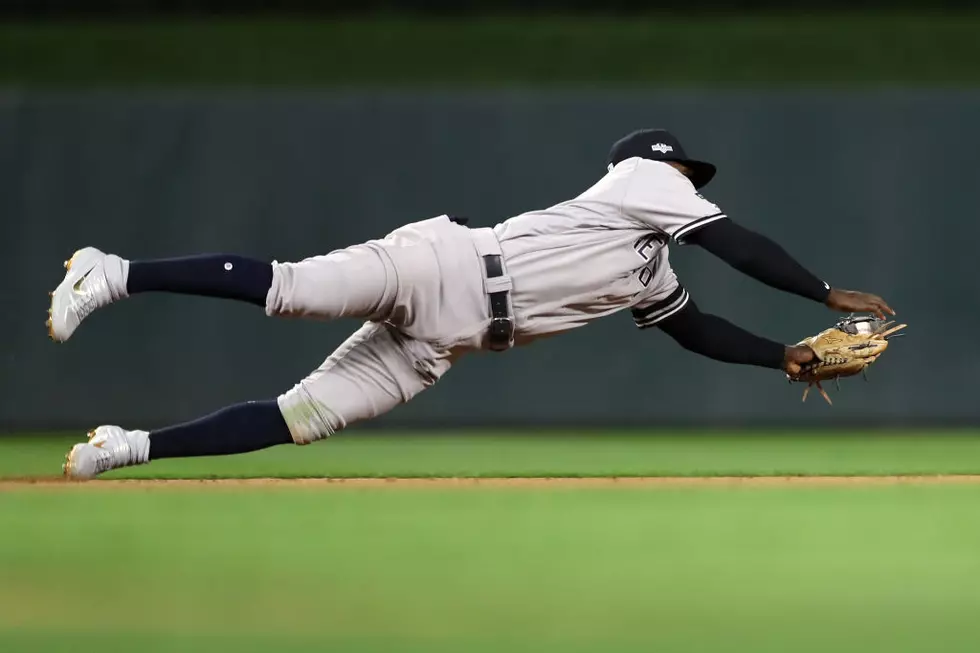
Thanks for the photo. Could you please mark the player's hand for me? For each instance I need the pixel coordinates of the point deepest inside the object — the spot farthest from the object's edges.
(852, 301)
(795, 358)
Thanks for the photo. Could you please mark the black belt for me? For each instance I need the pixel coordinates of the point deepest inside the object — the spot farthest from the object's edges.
(501, 333)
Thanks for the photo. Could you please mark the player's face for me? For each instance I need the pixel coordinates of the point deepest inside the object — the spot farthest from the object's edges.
(680, 166)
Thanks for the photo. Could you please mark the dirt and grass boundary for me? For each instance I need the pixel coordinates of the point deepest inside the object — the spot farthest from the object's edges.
(444, 482)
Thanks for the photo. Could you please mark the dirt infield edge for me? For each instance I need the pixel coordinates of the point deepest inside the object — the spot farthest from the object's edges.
(544, 482)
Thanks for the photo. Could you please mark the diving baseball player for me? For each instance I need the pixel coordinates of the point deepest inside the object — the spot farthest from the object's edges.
(433, 291)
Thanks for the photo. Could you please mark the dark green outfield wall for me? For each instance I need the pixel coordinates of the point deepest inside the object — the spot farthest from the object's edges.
(872, 189)
(877, 47)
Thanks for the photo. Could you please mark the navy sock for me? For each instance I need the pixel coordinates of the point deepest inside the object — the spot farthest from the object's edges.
(208, 275)
(237, 429)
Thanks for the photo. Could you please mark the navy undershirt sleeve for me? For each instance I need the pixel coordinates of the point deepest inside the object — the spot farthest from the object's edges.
(758, 257)
(719, 339)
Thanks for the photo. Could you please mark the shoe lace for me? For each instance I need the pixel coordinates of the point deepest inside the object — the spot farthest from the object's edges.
(103, 462)
(114, 453)
(85, 305)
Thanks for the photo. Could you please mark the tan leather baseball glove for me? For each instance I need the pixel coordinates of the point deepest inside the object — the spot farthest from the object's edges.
(845, 349)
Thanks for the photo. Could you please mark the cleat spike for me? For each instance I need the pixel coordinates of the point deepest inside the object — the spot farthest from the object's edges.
(70, 260)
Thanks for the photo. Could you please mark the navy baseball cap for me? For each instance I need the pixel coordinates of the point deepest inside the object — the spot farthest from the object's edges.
(659, 145)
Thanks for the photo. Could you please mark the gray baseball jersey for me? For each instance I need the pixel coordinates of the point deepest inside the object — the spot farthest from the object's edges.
(423, 288)
(603, 251)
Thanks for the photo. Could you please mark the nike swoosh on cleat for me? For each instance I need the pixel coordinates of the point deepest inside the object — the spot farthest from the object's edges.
(78, 284)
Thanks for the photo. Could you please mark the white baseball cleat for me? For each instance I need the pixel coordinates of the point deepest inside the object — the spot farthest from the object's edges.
(108, 447)
(86, 287)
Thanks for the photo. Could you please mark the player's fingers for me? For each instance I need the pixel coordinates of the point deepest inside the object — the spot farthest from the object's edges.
(806, 354)
(880, 305)
(881, 308)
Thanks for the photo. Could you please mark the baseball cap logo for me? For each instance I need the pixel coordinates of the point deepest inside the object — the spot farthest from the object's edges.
(663, 148)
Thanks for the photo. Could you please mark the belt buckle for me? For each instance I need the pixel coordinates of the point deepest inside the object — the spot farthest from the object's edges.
(501, 333)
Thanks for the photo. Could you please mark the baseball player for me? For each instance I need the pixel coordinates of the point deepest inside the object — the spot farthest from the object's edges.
(434, 290)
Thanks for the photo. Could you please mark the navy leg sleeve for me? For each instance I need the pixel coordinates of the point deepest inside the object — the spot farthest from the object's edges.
(237, 429)
(209, 275)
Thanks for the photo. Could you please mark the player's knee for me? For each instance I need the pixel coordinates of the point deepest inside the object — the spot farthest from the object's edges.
(285, 296)
(304, 289)
(308, 419)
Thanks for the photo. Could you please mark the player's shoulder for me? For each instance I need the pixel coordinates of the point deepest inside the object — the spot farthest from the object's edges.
(655, 184)
(620, 177)
(655, 172)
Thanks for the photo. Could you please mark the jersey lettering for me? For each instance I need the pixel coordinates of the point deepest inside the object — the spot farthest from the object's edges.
(646, 276)
(646, 246)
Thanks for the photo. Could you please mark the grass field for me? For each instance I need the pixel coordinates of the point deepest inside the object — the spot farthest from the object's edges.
(507, 454)
(780, 567)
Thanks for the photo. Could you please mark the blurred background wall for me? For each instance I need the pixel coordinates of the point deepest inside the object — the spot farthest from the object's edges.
(851, 138)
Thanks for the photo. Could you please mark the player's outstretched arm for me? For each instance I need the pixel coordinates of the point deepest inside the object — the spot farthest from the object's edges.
(762, 259)
(719, 339)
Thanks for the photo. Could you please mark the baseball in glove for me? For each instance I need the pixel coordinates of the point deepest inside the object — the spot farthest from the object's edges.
(845, 349)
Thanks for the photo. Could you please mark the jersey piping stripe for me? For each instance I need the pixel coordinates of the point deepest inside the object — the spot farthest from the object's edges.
(664, 304)
(647, 325)
(651, 319)
(654, 320)
(691, 227)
